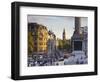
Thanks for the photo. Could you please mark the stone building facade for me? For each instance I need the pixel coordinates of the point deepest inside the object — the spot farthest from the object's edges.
(40, 37)
(51, 42)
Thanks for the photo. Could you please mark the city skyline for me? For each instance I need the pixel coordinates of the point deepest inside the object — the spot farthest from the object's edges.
(57, 23)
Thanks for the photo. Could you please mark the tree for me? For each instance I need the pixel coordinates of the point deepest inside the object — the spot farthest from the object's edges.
(60, 44)
(67, 45)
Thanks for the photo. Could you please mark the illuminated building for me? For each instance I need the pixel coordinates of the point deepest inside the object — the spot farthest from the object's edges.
(40, 37)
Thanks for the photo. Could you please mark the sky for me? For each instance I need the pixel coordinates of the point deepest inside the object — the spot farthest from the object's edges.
(57, 23)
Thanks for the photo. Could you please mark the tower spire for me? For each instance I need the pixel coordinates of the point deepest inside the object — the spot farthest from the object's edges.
(64, 34)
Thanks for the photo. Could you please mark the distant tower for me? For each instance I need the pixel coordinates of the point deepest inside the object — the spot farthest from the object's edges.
(64, 34)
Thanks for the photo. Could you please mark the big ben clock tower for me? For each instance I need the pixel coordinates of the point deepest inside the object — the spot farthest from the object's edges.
(64, 34)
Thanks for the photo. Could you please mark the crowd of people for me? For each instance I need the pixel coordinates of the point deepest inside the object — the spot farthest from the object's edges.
(57, 58)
